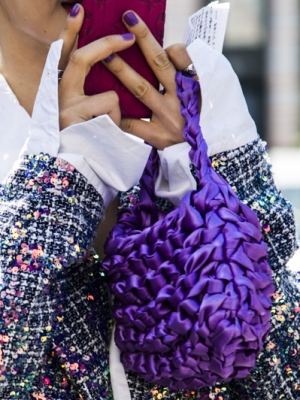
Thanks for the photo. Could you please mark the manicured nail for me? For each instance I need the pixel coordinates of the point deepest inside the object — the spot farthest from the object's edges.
(130, 19)
(109, 59)
(75, 11)
(128, 36)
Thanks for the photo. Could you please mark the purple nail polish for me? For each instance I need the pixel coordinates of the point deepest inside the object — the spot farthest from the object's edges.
(128, 36)
(75, 11)
(130, 19)
(109, 59)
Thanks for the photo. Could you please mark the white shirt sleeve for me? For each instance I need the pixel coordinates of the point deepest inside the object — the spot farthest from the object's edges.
(116, 159)
(110, 159)
(225, 121)
(174, 178)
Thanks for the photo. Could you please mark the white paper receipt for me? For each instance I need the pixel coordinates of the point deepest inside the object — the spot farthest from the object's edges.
(209, 24)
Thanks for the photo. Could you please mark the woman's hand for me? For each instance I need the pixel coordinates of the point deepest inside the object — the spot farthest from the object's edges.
(74, 105)
(166, 125)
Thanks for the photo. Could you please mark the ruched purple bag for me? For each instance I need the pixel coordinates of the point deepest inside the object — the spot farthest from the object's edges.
(191, 288)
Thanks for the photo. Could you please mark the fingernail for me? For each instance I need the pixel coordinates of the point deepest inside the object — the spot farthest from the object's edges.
(109, 59)
(130, 19)
(75, 10)
(128, 36)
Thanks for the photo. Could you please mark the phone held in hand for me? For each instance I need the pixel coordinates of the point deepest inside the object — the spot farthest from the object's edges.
(103, 18)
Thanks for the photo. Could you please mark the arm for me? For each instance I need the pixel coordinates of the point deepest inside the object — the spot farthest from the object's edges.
(49, 213)
(248, 170)
(236, 152)
(48, 216)
(225, 120)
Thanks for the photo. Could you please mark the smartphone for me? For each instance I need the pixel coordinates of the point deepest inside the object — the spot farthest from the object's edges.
(103, 18)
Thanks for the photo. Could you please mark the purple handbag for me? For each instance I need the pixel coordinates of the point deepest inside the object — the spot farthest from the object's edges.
(192, 287)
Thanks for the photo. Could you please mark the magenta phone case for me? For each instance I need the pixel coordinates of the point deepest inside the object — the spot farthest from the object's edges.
(104, 17)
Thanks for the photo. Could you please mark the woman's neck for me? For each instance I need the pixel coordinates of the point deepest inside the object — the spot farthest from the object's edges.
(21, 62)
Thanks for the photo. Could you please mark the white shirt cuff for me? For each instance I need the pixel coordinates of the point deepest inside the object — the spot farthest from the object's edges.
(115, 158)
(175, 178)
(225, 120)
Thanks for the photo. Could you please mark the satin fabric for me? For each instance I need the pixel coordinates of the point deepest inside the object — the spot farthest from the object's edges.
(192, 288)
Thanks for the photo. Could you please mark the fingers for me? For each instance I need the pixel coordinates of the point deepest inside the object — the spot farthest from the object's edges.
(139, 128)
(90, 107)
(83, 59)
(181, 60)
(70, 35)
(104, 103)
(156, 57)
(151, 132)
(135, 83)
(179, 56)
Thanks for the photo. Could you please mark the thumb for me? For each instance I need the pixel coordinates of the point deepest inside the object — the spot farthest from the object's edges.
(70, 33)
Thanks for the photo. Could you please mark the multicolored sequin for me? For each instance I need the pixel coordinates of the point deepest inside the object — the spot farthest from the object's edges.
(277, 374)
(55, 320)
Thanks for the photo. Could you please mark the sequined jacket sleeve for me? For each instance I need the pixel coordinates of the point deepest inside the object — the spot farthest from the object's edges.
(248, 170)
(48, 217)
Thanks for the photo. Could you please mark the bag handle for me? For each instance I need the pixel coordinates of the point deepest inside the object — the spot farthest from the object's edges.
(192, 134)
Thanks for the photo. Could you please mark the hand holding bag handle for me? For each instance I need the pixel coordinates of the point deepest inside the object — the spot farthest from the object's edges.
(192, 288)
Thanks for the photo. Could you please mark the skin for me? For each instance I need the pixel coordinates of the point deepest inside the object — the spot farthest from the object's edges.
(27, 29)
(26, 33)
(31, 29)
